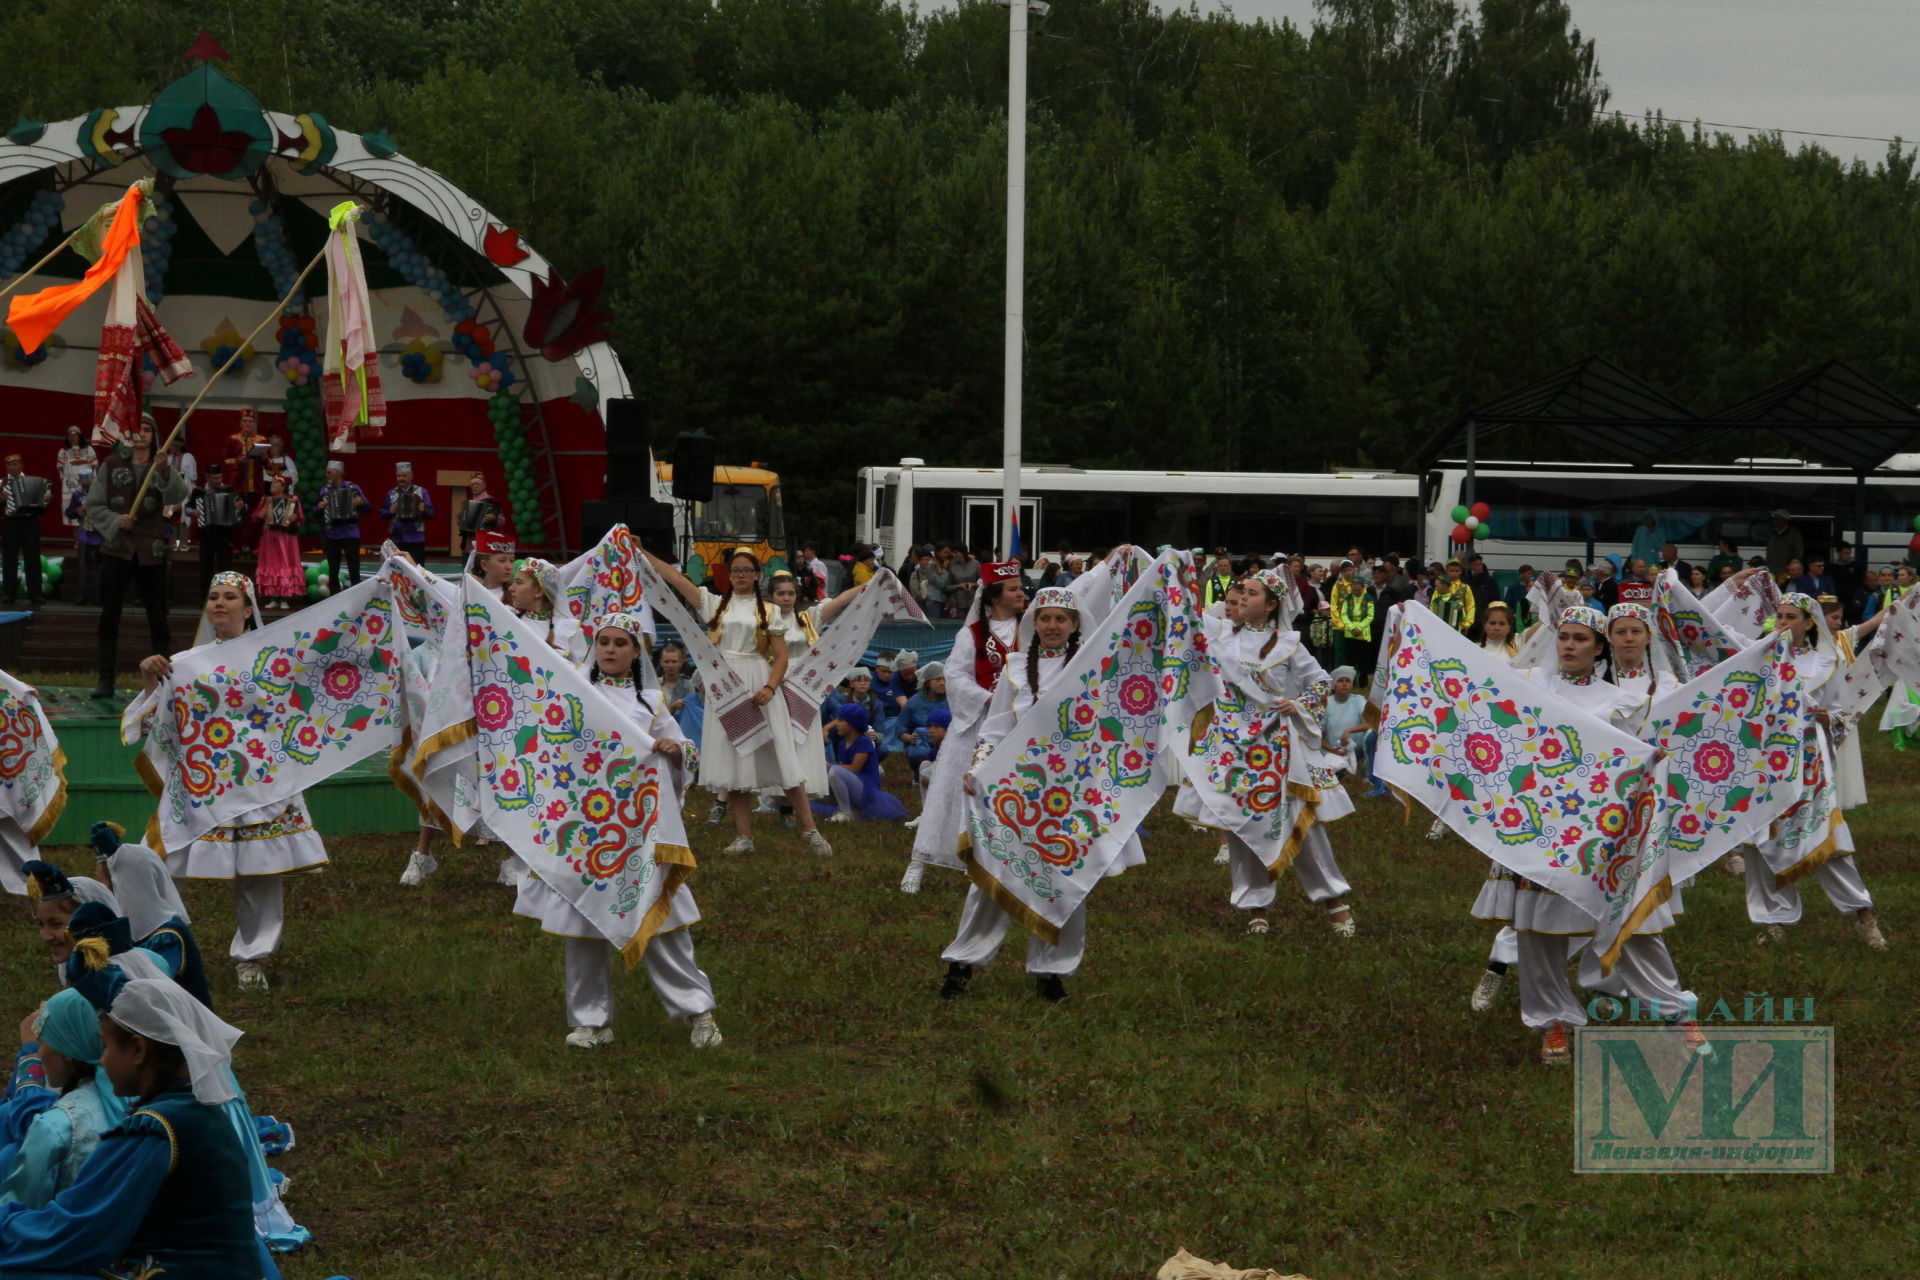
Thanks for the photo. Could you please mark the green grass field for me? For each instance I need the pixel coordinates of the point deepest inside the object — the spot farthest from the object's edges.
(1293, 1101)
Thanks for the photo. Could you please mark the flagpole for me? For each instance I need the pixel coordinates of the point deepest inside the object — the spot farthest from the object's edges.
(29, 273)
(1016, 272)
(278, 310)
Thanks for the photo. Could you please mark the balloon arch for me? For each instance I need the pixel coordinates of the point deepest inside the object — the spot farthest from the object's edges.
(490, 360)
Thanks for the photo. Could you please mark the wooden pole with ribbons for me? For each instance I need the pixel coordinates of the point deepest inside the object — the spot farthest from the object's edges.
(279, 309)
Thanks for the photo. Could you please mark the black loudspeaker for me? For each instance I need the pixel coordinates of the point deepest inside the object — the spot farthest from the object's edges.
(693, 467)
(628, 457)
(651, 522)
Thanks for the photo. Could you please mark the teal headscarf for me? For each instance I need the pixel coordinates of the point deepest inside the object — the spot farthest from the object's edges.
(71, 1026)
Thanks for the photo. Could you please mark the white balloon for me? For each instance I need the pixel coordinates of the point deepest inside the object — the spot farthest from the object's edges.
(1472, 522)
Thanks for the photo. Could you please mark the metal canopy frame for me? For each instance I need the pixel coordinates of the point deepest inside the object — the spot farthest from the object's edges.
(1835, 412)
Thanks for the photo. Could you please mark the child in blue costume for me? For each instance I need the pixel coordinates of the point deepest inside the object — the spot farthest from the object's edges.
(155, 915)
(104, 955)
(66, 1041)
(165, 1193)
(858, 791)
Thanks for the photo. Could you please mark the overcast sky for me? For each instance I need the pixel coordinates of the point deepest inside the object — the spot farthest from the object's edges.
(1826, 66)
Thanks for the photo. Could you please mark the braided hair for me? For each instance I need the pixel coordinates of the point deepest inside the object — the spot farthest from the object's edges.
(1033, 657)
(763, 639)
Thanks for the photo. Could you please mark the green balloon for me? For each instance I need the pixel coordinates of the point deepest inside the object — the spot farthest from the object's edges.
(1460, 513)
(1483, 532)
(1916, 524)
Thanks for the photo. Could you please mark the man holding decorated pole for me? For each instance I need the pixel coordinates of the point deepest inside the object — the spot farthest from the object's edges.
(127, 514)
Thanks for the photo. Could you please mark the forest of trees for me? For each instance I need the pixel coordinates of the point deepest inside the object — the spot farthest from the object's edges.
(1248, 246)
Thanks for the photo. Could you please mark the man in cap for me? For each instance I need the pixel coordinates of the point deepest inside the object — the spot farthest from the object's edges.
(343, 536)
(26, 499)
(407, 509)
(134, 545)
(216, 525)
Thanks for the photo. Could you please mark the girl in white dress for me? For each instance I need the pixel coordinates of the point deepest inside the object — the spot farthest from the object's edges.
(1547, 925)
(616, 665)
(987, 640)
(1054, 638)
(1821, 657)
(267, 844)
(751, 636)
(803, 632)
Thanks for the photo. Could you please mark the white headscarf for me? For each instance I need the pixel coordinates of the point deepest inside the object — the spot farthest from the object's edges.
(141, 963)
(160, 1009)
(147, 896)
(203, 633)
(87, 889)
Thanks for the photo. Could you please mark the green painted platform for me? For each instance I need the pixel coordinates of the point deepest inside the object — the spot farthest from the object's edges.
(101, 783)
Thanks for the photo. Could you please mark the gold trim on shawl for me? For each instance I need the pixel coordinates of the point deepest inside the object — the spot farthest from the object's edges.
(1829, 850)
(451, 736)
(1656, 897)
(1198, 730)
(405, 784)
(157, 786)
(1309, 814)
(999, 895)
(656, 916)
(55, 807)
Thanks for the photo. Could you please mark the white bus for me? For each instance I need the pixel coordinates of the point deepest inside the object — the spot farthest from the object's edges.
(1249, 513)
(1578, 512)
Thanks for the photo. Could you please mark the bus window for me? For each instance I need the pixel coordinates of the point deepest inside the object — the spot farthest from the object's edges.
(1165, 521)
(885, 518)
(738, 513)
(1253, 524)
(776, 519)
(1085, 522)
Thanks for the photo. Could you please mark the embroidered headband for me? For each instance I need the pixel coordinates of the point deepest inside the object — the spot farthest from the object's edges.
(228, 578)
(1585, 616)
(1052, 598)
(1803, 602)
(1273, 580)
(1639, 612)
(623, 621)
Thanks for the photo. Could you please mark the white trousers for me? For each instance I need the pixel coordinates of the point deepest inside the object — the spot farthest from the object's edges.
(1506, 947)
(983, 927)
(259, 914)
(1838, 876)
(1318, 873)
(1644, 970)
(685, 992)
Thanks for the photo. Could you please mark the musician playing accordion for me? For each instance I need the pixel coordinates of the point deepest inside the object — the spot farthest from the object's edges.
(27, 497)
(480, 511)
(407, 509)
(341, 503)
(218, 513)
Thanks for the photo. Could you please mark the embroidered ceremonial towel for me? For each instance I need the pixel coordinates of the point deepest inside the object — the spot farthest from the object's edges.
(745, 723)
(810, 675)
(252, 722)
(33, 768)
(569, 782)
(1539, 786)
(1062, 794)
(603, 580)
(1694, 639)
(354, 402)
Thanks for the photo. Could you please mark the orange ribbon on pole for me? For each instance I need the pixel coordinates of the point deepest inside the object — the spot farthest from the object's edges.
(35, 316)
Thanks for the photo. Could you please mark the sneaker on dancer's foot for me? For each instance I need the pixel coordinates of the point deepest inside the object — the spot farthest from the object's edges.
(252, 977)
(910, 882)
(912, 824)
(958, 976)
(1694, 1038)
(590, 1037)
(419, 867)
(1437, 830)
(1343, 928)
(838, 815)
(706, 1034)
(1868, 928)
(1220, 856)
(717, 814)
(1487, 990)
(1772, 933)
(1258, 925)
(1554, 1049)
(1051, 987)
(741, 844)
(1734, 864)
(509, 873)
(816, 843)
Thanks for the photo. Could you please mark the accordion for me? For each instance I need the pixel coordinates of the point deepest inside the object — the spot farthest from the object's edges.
(343, 505)
(30, 494)
(406, 504)
(475, 514)
(221, 509)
